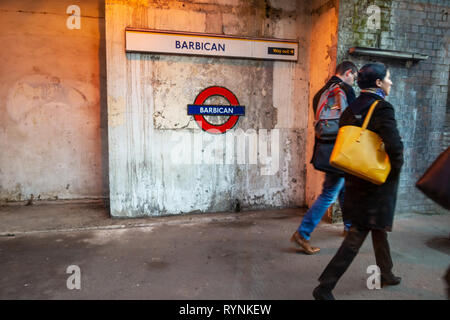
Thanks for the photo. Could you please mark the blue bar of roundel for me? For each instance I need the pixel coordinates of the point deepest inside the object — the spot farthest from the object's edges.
(208, 110)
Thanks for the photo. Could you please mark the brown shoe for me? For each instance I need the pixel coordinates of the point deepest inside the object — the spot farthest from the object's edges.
(303, 243)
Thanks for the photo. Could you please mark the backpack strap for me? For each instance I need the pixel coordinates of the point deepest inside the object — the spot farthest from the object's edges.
(319, 110)
(330, 93)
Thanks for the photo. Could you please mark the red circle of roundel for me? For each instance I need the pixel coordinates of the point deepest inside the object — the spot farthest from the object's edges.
(216, 91)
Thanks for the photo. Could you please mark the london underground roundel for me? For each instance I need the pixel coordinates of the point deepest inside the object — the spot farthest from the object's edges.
(200, 110)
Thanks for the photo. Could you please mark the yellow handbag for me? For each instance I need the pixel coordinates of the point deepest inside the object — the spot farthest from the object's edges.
(360, 152)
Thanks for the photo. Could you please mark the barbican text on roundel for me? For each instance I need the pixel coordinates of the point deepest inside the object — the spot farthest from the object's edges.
(200, 46)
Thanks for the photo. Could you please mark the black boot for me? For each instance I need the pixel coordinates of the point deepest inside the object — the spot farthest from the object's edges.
(322, 293)
(390, 280)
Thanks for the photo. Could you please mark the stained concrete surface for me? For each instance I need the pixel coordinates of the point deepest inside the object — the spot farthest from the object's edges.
(53, 115)
(209, 256)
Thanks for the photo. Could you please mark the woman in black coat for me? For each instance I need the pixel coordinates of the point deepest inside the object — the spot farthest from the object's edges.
(370, 207)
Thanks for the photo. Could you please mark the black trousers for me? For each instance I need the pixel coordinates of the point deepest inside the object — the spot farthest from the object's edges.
(348, 251)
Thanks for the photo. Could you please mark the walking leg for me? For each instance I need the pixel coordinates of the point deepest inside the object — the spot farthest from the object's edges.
(383, 257)
(343, 258)
(331, 187)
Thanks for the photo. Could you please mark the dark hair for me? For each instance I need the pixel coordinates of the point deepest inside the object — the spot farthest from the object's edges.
(369, 73)
(344, 66)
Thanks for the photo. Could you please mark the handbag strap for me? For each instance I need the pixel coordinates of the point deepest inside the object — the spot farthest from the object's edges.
(369, 115)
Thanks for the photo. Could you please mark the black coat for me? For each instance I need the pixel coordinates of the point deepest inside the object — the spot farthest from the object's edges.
(367, 204)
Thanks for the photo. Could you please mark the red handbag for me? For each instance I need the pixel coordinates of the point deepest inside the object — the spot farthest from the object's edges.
(435, 182)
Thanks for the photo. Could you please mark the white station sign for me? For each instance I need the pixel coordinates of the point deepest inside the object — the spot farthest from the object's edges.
(154, 41)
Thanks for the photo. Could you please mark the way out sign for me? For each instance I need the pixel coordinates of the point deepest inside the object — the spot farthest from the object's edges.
(203, 44)
(200, 110)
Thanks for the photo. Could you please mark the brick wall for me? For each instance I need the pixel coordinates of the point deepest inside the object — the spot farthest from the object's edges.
(420, 91)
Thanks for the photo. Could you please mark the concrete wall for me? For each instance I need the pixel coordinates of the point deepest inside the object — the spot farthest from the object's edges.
(51, 87)
(149, 131)
(323, 51)
(420, 91)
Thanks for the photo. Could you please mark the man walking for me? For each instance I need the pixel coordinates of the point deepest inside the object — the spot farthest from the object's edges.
(333, 185)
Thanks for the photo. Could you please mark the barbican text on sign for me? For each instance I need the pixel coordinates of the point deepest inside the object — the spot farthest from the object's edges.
(203, 44)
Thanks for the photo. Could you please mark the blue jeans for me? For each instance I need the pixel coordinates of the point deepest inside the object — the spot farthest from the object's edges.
(333, 187)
